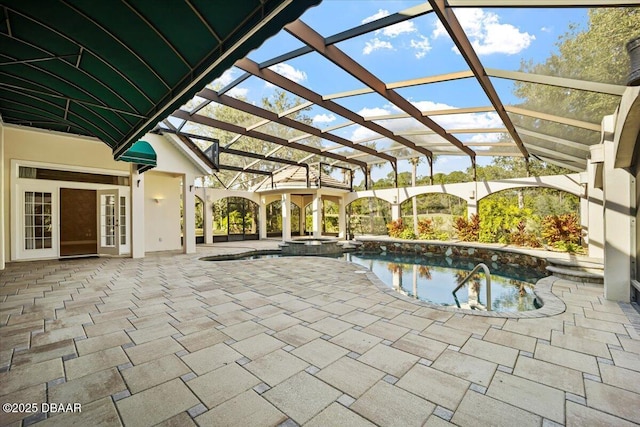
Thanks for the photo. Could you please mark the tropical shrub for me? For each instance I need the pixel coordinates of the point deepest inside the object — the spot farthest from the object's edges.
(499, 219)
(522, 237)
(432, 229)
(396, 228)
(407, 234)
(467, 229)
(563, 232)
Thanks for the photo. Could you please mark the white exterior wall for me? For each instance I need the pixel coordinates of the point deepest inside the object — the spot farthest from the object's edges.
(38, 148)
(161, 217)
(54, 150)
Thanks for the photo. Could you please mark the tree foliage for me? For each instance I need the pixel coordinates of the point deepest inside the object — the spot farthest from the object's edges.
(595, 53)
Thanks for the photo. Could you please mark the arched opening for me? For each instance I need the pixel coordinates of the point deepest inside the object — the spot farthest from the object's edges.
(438, 209)
(235, 218)
(274, 219)
(527, 217)
(368, 215)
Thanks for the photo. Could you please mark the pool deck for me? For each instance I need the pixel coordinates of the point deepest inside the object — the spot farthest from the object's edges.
(175, 341)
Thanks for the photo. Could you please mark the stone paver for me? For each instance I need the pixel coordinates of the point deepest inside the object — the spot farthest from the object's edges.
(235, 412)
(435, 386)
(615, 401)
(320, 353)
(302, 397)
(388, 359)
(171, 340)
(480, 410)
(156, 404)
(337, 415)
(388, 405)
(222, 384)
(467, 367)
(529, 395)
(276, 367)
(154, 372)
(350, 376)
(211, 358)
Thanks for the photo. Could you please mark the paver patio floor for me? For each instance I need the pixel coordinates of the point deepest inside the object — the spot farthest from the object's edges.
(175, 341)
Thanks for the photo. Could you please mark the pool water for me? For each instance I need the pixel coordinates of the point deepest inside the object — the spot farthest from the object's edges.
(432, 279)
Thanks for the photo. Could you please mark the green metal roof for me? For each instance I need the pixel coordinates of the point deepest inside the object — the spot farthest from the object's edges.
(113, 69)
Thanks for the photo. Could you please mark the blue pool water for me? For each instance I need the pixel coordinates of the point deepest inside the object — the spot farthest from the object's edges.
(432, 279)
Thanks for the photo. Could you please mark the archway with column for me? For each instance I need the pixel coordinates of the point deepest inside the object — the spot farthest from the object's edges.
(368, 215)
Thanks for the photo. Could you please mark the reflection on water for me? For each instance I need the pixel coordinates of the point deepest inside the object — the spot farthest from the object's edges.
(434, 279)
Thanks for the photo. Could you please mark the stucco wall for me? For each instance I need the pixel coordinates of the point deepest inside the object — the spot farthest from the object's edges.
(162, 218)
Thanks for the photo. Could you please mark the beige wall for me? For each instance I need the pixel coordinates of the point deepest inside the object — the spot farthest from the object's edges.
(162, 220)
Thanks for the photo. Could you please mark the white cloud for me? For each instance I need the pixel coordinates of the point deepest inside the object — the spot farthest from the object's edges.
(546, 29)
(487, 34)
(469, 121)
(226, 78)
(289, 72)
(485, 137)
(370, 112)
(429, 105)
(323, 118)
(421, 46)
(376, 44)
(380, 14)
(238, 92)
(400, 28)
(393, 30)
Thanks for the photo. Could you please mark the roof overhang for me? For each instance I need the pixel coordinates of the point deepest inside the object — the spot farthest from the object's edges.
(113, 70)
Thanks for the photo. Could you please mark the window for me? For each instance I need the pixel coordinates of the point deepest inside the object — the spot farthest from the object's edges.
(123, 220)
(37, 220)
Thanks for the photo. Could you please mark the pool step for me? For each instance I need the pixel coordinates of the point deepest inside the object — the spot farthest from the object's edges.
(588, 270)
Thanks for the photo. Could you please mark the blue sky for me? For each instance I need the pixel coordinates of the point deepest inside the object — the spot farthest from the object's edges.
(412, 49)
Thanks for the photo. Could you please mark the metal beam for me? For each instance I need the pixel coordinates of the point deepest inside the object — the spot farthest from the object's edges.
(557, 154)
(406, 83)
(565, 142)
(303, 92)
(266, 157)
(459, 37)
(562, 82)
(550, 117)
(565, 165)
(208, 121)
(307, 35)
(286, 121)
(241, 169)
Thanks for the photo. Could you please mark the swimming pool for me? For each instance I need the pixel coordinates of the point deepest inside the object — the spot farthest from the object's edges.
(432, 279)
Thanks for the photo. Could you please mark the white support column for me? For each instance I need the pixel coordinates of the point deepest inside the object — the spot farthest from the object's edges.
(316, 212)
(137, 214)
(262, 218)
(472, 202)
(207, 217)
(594, 213)
(189, 215)
(286, 217)
(342, 218)
(395, 211)
(619, 228)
